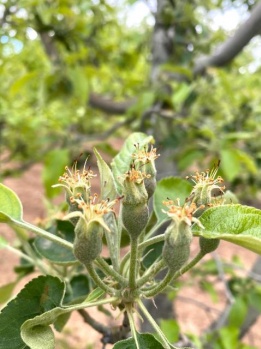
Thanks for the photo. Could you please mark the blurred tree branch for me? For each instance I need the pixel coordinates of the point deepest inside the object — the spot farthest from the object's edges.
(227, 51)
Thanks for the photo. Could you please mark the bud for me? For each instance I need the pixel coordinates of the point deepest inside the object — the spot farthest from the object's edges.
(206, 184)
(76, 184)
(145, 160)
(208, 245)
(134, 210)
(90, 227)
(88, 241)
(178, 236)
(176, 249)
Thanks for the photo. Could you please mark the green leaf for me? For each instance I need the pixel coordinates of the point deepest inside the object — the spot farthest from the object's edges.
(79, 79)
(230, 163)
(121, 162)
(145, 340)
(54, 164)
(3, 242)
(53, 251)
(79, 286)
(210, 288)
(172, 188)
(10, 205)
(95, 295)
(6, 291)
(38, 296)
(180, 95)
(108, 187)
(36, 332)
(238, 312)
(171, 329)
(248, 161)
(238, 224)
(151, 253)
(188, 157)
(229, 337)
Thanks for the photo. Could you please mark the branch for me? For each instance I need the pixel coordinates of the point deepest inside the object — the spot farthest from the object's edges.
(252, 312)
(109, 106)
(4, 16)
(233, 45)
(222, 55)
(110, 334)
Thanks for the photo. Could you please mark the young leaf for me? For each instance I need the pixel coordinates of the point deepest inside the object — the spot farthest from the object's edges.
(238, 312)
(54, 164)
(6, 291)
(108, 187)
(36, 332)
(145, 340)
(171, 329)
(121, 163)
(95, 295)
(79, 287)
(234, 223)
(169, 188)
(10, 205)
(38, 296)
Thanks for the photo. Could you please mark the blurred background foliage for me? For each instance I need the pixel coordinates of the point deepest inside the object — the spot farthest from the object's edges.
(61, 61)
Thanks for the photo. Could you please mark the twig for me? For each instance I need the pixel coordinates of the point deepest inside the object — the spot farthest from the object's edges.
(199, 304)
(221, 274)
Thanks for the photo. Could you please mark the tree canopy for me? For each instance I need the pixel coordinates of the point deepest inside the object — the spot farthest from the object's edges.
(77, 70)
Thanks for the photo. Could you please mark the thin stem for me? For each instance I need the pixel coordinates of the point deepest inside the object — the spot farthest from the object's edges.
(43, 233)
(170, 276)
(133, 263)
(99, 327)
(152, 271)
(132, 327)
(98, 281)
(110, 271)
(160, 286)
(190, 265)
(141, 247)
(152, 241)
(92, 304)
(19, 253)
(154, 324)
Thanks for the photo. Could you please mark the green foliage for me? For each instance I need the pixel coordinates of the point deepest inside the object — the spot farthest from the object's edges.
(39, 296)
(171, 329)
(53, 252)
(145, 340)
(10, 205)
(54, 164)
(234, 223)
(72, 251)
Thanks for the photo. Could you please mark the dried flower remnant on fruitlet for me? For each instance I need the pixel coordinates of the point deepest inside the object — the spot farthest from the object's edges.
(76, 183)
(135, 176)
(92, 211)
(145, 159)
(182, 213)
(143, 155)
(205, 183)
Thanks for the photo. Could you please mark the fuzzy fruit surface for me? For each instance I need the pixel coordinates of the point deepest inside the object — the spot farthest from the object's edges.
(176, 249)
(208, 245)
(134, 218)
(88, 245)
